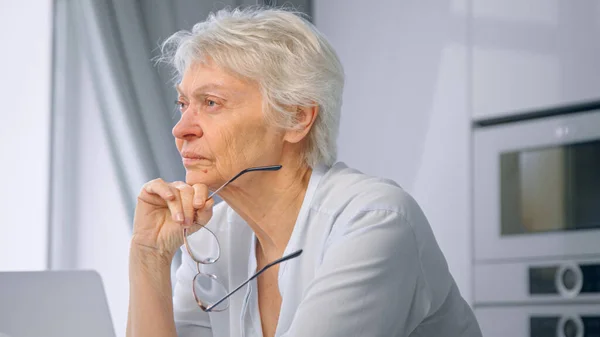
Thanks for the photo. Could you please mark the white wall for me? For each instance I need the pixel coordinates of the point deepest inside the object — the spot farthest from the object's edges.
(533, 55)
(25, 77)
(405, 113)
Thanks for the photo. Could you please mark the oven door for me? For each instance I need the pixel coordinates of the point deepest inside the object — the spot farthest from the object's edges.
(580, 320)
(536, 191)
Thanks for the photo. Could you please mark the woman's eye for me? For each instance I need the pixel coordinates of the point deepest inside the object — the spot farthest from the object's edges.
(181, 105)
(212, 105)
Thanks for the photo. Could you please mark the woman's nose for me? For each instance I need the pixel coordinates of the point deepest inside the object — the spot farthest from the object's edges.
(187, 127)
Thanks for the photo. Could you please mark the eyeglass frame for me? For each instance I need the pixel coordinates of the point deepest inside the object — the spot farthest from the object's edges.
(211, 308)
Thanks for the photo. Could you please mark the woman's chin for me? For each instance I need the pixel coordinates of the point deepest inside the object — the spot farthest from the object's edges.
(198, 176)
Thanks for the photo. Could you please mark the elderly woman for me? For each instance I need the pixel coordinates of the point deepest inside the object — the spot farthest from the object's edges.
(260, 93)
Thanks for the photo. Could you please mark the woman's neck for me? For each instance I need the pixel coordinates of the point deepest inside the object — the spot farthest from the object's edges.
(269, 202)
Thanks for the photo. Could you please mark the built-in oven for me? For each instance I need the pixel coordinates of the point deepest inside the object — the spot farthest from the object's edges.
(562, 281)
(578, 320)
(536, 189)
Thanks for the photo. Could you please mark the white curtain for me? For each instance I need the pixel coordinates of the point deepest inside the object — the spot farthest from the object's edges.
(115, 42)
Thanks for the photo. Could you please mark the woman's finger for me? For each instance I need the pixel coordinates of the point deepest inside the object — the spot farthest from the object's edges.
(170, 195)
(200, 195)
(186, 192)
(160, 188)
(204, 214)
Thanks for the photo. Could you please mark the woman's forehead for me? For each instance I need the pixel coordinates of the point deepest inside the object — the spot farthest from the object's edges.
(209, 77)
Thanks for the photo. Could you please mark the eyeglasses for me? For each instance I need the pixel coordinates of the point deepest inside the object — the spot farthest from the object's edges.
(209, 293)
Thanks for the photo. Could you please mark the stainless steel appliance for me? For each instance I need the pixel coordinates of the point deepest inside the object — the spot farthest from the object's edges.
(537, 188)
(536, 225)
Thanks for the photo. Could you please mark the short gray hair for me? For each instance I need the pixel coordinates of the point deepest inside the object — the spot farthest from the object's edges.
(292, 62)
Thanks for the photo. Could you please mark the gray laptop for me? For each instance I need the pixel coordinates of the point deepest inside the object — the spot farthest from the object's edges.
(53, 304)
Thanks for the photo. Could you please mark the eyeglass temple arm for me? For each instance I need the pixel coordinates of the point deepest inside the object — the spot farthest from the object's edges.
(285, 258)
(260, 168)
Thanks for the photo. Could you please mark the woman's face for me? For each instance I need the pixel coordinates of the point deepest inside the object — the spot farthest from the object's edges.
(222, 129)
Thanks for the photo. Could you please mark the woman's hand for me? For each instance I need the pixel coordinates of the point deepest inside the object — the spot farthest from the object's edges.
(164, 209)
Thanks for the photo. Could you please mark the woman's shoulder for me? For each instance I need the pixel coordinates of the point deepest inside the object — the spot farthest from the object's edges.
(356, 202)
(345, 190)
(362, 204)
(348, 195)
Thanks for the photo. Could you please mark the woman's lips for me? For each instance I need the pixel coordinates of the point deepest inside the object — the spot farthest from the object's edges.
(190, 158)
(190, 161)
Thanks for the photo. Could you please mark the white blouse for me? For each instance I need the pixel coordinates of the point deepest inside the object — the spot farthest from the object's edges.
(370, 266)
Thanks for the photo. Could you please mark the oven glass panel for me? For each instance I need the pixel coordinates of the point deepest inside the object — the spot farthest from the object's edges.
(550, 189)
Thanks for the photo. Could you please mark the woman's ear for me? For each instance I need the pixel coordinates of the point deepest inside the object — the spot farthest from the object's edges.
(305, 118)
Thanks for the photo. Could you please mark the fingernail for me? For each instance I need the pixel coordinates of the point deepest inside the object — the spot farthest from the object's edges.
(189, 222)
(179, 217)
